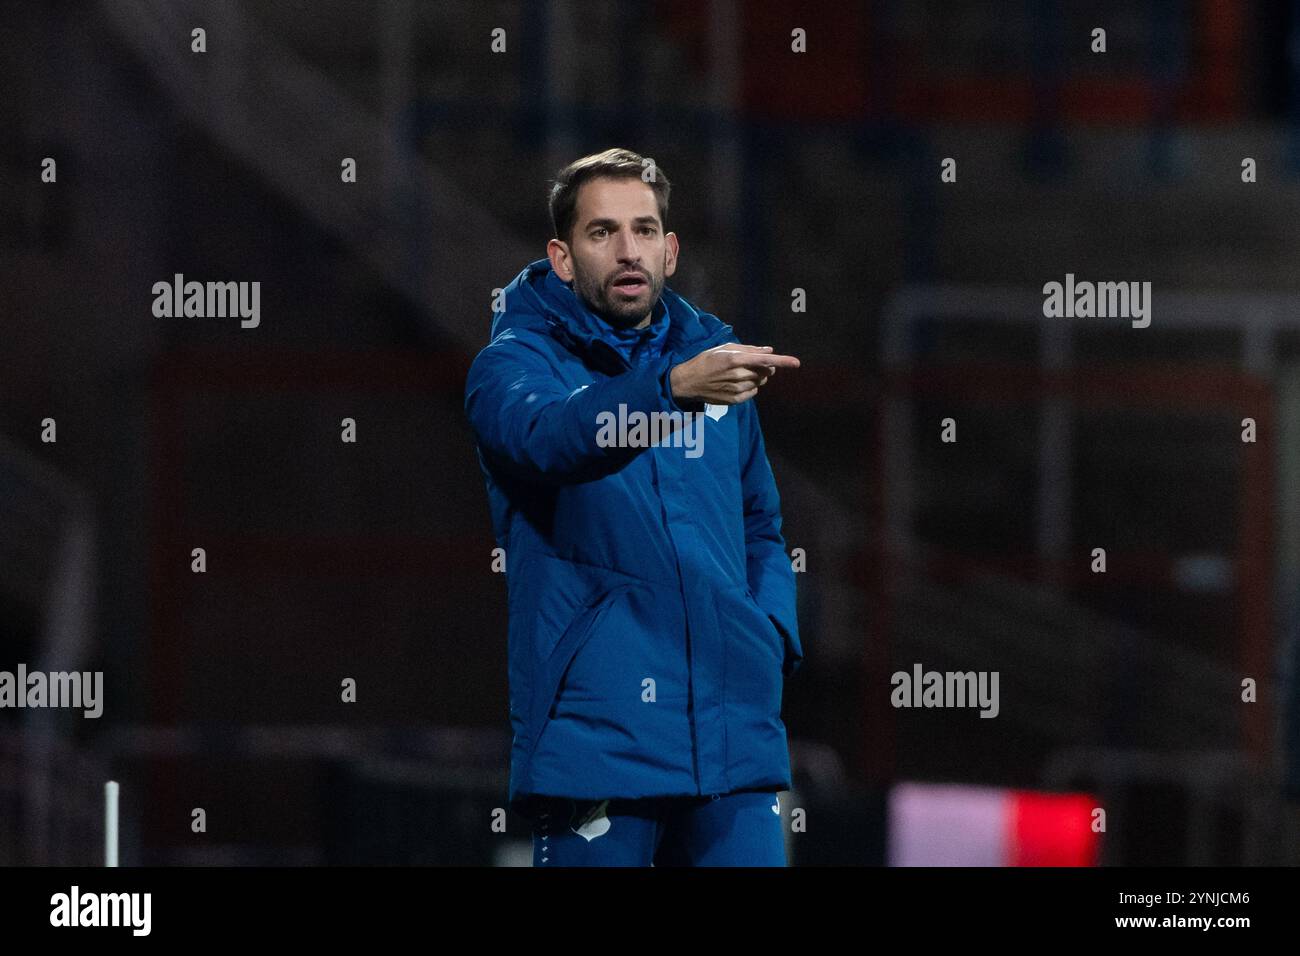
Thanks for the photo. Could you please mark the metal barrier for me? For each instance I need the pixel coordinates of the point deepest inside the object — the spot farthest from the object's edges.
(1213, 780)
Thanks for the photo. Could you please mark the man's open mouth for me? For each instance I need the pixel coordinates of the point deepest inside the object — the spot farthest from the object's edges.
(631, 283)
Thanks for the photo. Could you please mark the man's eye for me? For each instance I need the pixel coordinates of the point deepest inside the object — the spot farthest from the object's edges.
(597, 232)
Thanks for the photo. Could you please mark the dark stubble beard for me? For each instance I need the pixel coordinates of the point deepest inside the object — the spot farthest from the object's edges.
(597, 297)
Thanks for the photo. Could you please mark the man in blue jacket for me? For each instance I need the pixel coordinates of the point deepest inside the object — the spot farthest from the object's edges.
(651, 602)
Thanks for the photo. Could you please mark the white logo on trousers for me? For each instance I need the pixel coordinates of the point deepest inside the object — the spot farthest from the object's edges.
(594, 824)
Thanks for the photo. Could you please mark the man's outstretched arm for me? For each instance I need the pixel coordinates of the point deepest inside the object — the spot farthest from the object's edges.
(537, 429)
(540, 430)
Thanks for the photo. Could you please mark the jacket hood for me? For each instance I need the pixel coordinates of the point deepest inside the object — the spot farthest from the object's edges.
(538, 300)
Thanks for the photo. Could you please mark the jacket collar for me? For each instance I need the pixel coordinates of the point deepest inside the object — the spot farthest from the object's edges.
(540, 300)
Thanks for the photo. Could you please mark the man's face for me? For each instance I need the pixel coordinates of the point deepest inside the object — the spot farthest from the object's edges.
(618, 256)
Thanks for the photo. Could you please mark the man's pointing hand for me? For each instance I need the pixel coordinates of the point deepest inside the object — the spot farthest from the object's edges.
(729, 374)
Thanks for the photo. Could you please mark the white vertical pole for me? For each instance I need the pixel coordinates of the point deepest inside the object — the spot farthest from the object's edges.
(110, 823)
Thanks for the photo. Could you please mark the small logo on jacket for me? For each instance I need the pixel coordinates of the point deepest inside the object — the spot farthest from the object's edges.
(594, 823)
(715, 411)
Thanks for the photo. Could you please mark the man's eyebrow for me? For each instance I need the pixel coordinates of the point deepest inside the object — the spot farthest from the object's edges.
(653, 220)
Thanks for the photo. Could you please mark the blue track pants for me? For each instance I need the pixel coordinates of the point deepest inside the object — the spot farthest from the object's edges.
(735, 829)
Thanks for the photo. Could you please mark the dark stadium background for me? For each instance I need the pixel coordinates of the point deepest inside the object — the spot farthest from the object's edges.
(817, 171)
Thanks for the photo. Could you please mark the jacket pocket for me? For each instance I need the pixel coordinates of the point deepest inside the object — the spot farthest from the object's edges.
(791, 653)
(551, 671)
(754, 653)
(776, 634)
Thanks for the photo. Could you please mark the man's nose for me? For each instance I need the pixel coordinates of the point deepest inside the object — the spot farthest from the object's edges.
(627, 248)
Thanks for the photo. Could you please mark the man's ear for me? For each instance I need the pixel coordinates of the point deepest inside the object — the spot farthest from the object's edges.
(670, 253)
(557, 250)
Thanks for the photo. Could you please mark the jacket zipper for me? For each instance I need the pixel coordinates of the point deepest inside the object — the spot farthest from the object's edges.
(681, 584)
(686, 618)
(681, 589)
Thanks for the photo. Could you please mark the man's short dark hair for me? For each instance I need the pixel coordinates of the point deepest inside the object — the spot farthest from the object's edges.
(616, 163)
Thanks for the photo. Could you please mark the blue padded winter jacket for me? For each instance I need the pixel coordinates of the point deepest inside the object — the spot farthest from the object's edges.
(651, 602)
